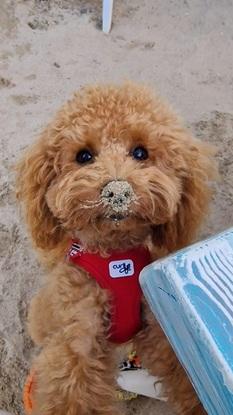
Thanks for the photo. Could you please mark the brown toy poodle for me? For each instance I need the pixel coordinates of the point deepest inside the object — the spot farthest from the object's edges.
(114, 176)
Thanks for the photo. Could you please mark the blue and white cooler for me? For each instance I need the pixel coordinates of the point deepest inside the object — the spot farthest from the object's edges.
(191, 295)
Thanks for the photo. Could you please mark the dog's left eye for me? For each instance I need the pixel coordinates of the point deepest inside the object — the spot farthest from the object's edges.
(84, 156)
(140, 153)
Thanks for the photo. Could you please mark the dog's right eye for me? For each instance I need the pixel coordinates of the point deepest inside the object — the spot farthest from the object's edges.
(84, 156)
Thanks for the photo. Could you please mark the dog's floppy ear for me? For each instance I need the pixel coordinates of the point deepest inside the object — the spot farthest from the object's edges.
(200, 169)
(34, 174)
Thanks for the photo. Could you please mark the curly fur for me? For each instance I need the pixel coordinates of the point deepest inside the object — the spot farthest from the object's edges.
(76, 368)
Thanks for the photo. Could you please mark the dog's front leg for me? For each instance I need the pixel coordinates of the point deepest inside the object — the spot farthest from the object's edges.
(159, 358)
(75, 371)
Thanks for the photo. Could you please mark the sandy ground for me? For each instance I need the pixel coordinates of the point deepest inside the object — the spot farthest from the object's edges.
(48, 49)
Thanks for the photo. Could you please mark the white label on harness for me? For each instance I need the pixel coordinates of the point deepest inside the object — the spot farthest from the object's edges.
(122, 268)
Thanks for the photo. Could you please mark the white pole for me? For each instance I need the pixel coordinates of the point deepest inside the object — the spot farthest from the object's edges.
(107, 15)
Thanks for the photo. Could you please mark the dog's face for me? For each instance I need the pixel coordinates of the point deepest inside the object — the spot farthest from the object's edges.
(113, 161)
(115, 171)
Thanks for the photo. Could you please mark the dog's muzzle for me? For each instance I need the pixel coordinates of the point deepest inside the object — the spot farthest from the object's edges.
(117, 195)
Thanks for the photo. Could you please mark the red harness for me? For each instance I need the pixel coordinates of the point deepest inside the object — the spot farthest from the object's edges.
(119, 273)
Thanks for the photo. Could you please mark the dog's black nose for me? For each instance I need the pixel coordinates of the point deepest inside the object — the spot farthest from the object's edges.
(118, 195)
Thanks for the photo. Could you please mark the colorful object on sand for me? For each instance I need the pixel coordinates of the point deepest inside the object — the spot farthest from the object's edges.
(191, 295)
(28, 392)
(131, 363)
(134, 380)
